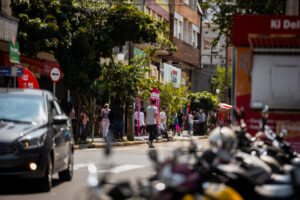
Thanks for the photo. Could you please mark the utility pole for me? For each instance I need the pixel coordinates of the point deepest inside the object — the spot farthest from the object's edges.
(200, 39)
(226, 71)
(171, 8)
(292, 7)
(129, 107)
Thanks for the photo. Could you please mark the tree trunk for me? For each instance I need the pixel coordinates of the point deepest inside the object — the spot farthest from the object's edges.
(130, 123)
(77, 112)
(90, 123)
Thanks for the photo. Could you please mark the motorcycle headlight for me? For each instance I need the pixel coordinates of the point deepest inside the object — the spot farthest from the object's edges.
(33, 140)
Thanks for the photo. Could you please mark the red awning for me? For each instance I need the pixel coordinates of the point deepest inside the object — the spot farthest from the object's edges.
(274, 41)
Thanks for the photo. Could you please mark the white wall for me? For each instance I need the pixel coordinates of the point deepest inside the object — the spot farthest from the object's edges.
(276, 81)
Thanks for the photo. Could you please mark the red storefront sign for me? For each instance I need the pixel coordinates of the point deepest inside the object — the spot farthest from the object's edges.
(246, 25)
(270, 32)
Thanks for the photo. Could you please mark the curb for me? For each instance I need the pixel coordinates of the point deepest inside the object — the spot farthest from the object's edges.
(129, 143)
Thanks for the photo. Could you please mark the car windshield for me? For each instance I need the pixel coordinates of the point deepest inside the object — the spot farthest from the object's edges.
(22, 108)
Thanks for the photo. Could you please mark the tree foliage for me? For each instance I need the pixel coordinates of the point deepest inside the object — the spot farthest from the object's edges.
(123, 79)
(218, 82)
(78, 33)
(202, 100)
(223, 11)
(172, 97)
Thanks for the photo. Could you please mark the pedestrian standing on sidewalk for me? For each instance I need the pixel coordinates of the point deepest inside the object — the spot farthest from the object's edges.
(180, 122)
(105, 120)
(191, 123)
(99, 121)
(163, 122)
(142, 122)
(202, 119)
(174, 124)
(151, 121)
(118, 122)
(83, 121)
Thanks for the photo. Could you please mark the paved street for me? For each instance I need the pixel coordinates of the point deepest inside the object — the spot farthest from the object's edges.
(128, 162)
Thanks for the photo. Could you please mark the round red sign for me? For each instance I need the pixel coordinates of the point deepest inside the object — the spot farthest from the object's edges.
(55, 74)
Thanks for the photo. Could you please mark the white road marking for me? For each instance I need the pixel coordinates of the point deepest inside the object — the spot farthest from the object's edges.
(80, 165)
(114, 170)
(122, 168)
(122, 149)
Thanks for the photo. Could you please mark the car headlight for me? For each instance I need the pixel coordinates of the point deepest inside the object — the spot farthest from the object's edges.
(33, 140)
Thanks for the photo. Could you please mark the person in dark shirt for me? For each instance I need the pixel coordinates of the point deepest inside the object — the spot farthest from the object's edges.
(180, 122)
(118, 122)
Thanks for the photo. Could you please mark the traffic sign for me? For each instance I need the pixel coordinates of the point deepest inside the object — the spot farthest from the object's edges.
(55, 74)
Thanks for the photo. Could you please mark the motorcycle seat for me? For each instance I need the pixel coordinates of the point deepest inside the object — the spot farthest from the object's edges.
(274, 191)
(281, 179)
(296, 161)
(287, 168)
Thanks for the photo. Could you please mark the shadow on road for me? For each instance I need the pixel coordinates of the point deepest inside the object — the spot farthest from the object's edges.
(22, 186)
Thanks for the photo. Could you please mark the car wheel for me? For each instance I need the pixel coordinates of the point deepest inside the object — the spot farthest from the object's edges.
(67, 174)
(46, 181)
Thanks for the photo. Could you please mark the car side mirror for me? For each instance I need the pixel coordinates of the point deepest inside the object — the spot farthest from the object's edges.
(60, 119)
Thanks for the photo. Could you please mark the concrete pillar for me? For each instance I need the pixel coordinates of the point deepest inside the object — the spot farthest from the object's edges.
(292, 7)
(5, 7)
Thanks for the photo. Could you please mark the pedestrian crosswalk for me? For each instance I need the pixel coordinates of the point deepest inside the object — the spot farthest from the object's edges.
(114, 170)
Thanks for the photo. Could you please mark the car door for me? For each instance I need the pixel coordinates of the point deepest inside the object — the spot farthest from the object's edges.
(60, 138)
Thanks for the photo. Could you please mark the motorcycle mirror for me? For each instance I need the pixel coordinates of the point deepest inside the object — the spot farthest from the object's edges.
(108, 144)
(92, 179)
(266, 109)
(177, 153)
(153, 155)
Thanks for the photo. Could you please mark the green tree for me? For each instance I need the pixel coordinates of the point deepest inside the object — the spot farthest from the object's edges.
(172, 97)
(78, 33)
(203, 100)
(123, 79)
(218, 82)
(223, 11)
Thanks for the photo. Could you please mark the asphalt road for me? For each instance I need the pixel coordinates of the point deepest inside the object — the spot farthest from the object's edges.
(125, 163)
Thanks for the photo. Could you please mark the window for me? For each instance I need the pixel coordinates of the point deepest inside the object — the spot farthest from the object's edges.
(185, 31)
(193, 4)
(159, 18)
(207, 44)
(215, 48)
(180, 30)
(147, 10)
(176, 28)
(186, 2)
(195, 39)
(275, 81)
(190, 34)
(55, 109)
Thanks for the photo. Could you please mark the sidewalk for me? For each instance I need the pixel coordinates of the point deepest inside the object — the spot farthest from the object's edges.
(100, 142)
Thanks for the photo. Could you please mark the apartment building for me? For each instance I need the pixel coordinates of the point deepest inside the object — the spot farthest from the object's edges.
(212, 55)
(183, 19)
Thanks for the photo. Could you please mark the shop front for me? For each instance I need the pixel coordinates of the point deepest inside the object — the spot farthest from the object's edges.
(40, 70)
(266, 71)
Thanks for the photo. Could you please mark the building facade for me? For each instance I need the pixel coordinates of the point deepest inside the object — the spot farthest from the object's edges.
(213, 54)
(183, 20)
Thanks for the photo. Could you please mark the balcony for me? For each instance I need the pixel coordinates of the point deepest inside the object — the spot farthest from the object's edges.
(8, 28)
(186, 52)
